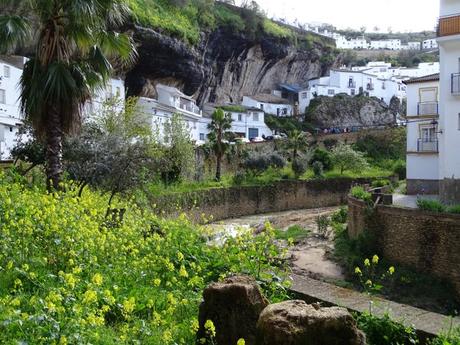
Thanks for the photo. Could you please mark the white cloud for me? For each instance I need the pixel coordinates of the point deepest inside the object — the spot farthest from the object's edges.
(400, 15)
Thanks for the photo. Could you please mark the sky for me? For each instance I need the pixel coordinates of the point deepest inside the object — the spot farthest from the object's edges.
(399, 15)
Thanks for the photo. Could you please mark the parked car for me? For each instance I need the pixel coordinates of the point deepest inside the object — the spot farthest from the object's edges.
(269, 138)
(242, 140)
(257, 140)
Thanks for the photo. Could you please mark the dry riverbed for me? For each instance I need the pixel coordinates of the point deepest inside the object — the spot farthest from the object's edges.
(309, 256)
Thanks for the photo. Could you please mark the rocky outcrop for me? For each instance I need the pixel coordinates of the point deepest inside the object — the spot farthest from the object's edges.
(234, 306)
(347, 111)
(224, 66)
(298, 323)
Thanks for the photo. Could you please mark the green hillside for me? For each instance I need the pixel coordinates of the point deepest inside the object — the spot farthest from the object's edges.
(185, 19)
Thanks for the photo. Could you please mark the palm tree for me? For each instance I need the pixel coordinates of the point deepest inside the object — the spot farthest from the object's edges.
(296, 142)
(220, 123)
(74, 46)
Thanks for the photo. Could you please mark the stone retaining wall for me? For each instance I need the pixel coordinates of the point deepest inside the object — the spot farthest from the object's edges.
(223, 203)
(425, 241)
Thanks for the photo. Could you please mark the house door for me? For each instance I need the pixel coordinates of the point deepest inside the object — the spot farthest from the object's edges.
(253, 132)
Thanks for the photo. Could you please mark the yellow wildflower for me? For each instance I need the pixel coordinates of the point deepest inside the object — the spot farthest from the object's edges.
(180, 256)
(129, 304)
(156, 282)
(375, 259)
(241, 342)
(167, 336)
(367, 263)
(97, 279)
(368, 282)
(90, 296)
(358, 271)
(210, 328)
(183, 272)
(391, 270)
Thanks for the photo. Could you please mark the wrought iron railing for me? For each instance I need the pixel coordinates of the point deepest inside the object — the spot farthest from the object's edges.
(427, 145)
(427, 108)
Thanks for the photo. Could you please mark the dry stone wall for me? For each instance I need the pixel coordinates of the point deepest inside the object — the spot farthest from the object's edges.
(223, 203)
(425, 241)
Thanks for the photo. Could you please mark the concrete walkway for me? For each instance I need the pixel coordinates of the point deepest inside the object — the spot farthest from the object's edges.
(410, 201)
(425, 322)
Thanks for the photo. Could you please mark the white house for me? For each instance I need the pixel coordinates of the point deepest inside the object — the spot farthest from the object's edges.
(115, 88)
(422, 135)
(449, 107)
(430, 44)
(354, 82)
(170, 101)
(247, 122)
(270, 104)
(10, 115)
(390, 44)
(414, 45)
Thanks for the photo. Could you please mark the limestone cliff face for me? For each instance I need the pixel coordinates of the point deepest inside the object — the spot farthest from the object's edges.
(224, 66)
(346, 111)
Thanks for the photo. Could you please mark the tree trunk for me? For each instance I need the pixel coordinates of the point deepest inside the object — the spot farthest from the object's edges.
(218, 167)
(53, 150)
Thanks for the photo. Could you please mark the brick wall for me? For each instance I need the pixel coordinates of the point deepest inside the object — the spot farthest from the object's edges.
(425, 241)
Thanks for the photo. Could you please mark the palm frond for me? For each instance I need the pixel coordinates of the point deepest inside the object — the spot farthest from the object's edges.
(14, 31)
(116, 45)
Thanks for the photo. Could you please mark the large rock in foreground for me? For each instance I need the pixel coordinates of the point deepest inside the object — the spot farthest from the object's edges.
(234, 306)
(298, 323)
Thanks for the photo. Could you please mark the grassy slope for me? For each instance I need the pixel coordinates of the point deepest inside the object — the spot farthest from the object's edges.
(186, 22)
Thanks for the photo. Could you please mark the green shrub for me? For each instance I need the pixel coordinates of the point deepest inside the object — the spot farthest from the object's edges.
(239, 177)
(330, 143)
(399, 168)
(340, 216)
(384, 331)
(258, 163)
(431, 205)
(360, 193)
(299, 166)
(324, 157)
(318, 170)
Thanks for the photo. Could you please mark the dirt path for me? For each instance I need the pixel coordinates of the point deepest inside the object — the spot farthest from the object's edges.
(308, 257)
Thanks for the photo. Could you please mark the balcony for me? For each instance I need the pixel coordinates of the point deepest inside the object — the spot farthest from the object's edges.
(427, 145)
(449, 26)
(455, 83)
(370, 86)
(427, 108)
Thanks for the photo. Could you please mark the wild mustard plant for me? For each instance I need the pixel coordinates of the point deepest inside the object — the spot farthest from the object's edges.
(67, 276)
(371, 281)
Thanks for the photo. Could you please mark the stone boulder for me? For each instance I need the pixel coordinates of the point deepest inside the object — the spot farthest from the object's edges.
(234, 306)
(298, 323)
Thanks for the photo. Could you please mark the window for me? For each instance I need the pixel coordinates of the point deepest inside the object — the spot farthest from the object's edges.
(353, 92)
(6, 71)
(427, 133)
(255, 116)
(201, 136)
(330, 92)
(240, 117)
(253, 132)
(428, 94)
(261, 106)
(11, 129)
(304, 95)
(2, 96)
